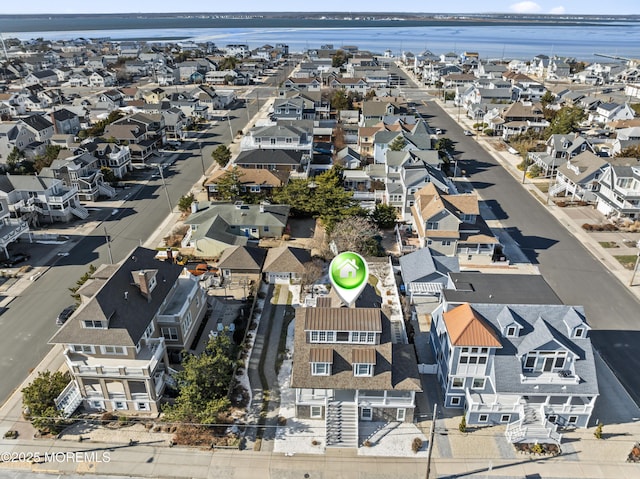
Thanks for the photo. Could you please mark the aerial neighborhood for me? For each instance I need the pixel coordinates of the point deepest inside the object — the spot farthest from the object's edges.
(194, 195)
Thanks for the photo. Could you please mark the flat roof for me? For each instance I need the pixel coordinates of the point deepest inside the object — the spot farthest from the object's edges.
(474, 287)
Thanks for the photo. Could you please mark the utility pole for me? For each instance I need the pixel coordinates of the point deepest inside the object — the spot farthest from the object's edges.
(201, 157)
(108, 244)
(432, 433)
(230, 129)
(635, 267)
(166, 191)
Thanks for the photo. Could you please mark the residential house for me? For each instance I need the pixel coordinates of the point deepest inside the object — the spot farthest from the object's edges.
(175, 122)
(578, 179)
(559, 149)
(608, 112)
(259, 182)
(102, 79)
(425, 272)
(521, 117)
(239, 262)
(347, 369)
(279, 137)
(10, 229)
(289, 109)
(36, 199)
(117, 343)
(14, 134)
(356, 85)
(41, 127)
(82, 172)
(530, 367)
(45, 78)
(349, 158)
(302, 84)
(115, 157)
(65, 122)
(452, 225)
(218, 226)
(284, 161)
(285, 264)
(618, 194)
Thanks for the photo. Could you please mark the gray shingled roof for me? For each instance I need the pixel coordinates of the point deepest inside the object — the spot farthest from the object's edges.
(120, 301)
(543, 326)
(427, 266)
(242, 258)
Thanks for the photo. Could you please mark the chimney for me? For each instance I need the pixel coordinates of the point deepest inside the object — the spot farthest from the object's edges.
(126, 295)
(143, 282)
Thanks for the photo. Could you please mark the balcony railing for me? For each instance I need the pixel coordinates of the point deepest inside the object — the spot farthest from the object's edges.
(560, 377)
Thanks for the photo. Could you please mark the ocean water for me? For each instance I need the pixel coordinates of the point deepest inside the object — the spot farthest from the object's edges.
(581, 41)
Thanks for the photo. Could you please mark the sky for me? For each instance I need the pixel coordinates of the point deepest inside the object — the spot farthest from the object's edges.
(569, 7)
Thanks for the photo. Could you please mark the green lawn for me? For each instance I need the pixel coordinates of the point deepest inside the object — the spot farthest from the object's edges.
(609, 244)
(628, 260)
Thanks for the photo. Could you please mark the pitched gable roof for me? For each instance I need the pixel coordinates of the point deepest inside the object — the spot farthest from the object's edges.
(286, 259)
(468, 329)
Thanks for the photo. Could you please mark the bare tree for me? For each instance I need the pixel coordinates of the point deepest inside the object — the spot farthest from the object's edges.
(313, 271)
(357, 234)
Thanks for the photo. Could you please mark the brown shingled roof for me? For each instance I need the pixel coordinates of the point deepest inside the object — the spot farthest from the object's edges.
(343, 319)
(466, 328)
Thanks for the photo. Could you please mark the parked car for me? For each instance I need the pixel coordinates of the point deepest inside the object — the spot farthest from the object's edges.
(65, 314)
(468, 133)
(439, 131)
(15, 259)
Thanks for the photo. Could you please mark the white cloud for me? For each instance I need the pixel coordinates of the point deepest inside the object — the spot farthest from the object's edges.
(525, 7)
(557, 10)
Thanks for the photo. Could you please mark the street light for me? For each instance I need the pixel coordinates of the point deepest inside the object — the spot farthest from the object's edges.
(635, 267)
(230, 129)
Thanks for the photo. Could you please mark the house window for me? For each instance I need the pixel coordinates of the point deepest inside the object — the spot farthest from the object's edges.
(432, 225)
(573, 419)
(91, 324)
(97, 404)
(531, 361)
(361, 369)
(457, 383)
(122, 405)
(478, 383)
(320, 369)
(579, 333)
(455, 401)
(149, 331)
(82, 348)
(142, 406)
(186, 324)
(366, 414)
(483, 418)
(401, 414)
(511, 331)
(170, 334)
(552, 419)
(255, 189)
(446, 242)
(505, 418)
(316, 412)
(474, 355)
(323, 336)
(113, 350)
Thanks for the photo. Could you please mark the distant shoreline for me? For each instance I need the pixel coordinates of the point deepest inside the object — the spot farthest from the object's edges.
(12, 24)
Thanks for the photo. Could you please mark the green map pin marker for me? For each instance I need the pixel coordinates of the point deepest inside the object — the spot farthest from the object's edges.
(348, 273)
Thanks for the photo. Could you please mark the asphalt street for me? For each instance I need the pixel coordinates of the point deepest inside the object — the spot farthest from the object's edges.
(29, 321)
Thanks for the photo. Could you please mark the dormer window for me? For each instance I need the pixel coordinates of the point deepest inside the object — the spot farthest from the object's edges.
(320, 369)
(512, 331)
(362, 369)
(94, 324)
(578, 333)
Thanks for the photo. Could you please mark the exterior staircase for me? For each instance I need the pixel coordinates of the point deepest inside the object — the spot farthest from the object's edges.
(106, 190)
(342, 424)
(557, 189)
(80, 211)
(69, 399)
(532, 427)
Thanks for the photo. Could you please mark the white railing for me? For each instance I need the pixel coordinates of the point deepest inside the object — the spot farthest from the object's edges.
(549, 378)
(69, 399)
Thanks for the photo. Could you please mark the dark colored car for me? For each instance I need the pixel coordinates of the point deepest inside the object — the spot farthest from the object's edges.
(64, 315)
(15, 259)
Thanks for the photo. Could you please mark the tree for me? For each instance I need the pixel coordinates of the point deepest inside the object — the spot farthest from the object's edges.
(371, 94)
(547, 99)
(229, 184)
(228, 63)
(566, 120)
(108, 175)
(313, 271)
(339, 58)
(630, 152)
(398, 143)
(324, 197)
(83, 279)
(384, 216)
(39, 399)
(340, 101)
(203, 383)
(445, 147)
(357, 234)
(184, 204)
(221, 155)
